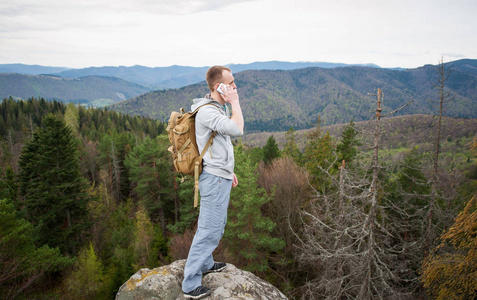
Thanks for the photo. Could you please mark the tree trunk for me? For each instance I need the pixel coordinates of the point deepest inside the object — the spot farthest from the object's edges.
(430, 230)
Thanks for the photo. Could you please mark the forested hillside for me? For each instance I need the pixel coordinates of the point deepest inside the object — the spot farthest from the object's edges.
(94, 91)
(277, 100)
(401, 132)
(89, 196)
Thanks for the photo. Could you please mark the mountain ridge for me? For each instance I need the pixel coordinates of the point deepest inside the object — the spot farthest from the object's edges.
(30, 69)
(174, 76)
(273, 100)
(90, 90)
(277, 100)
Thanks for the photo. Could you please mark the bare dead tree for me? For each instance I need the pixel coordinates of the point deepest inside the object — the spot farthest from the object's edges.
(115, 173)
(444, 97)
(88, 159)
(348, 237)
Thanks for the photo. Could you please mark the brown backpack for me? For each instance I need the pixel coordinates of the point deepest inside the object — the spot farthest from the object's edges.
(185, 153)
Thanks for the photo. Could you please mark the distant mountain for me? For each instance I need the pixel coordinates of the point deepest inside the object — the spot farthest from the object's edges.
(281, 65)
(179, 76)
(30, 69)
(340, 90)
(162, 77)
(91, 90)
(466, 65)
(276, 100)
(148, 79)
(157, 78)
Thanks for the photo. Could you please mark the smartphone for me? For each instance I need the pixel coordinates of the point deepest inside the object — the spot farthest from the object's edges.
(222, 88)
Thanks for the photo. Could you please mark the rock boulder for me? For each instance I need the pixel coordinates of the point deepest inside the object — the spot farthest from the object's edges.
(165, 283)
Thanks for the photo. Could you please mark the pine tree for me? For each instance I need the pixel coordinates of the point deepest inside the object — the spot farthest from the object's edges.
(347, 147)
(53, 190)
(291, 148)
(408, 193)
(119, 255)
(22, 264)
(270, 150)
(72, 117)
(150, 167)
(114, 148)
(319, 154)
(143, 238)
(188, 214)
(9, 186)
(86, 279)
(248, 232)
(411, 178)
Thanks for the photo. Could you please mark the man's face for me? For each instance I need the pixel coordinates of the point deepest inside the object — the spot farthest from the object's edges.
(227, 78)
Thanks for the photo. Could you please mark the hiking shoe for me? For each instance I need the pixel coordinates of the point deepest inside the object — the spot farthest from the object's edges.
(198, 293)
(217, 267)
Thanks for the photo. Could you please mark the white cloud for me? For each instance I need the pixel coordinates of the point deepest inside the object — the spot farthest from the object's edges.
(44, 7)
(204, 32)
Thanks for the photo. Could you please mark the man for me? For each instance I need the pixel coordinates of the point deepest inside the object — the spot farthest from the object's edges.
(217, 177)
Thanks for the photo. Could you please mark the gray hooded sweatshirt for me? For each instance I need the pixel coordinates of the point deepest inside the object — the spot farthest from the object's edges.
(219, 159)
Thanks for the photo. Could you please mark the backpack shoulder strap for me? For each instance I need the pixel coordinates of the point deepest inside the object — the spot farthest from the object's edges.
(197, 109)
(212, 135)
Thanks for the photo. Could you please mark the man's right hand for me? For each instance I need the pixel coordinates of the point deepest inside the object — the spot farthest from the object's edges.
(230, 95)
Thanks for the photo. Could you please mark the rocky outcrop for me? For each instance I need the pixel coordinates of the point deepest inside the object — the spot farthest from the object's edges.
(165, 283)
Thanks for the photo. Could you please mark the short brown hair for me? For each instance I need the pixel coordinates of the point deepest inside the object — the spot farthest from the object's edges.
(214, 76)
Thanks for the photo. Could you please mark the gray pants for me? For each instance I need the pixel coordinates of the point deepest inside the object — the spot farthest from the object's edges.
(214, 201)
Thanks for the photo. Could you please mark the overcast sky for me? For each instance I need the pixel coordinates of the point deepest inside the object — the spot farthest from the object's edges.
(83, 33)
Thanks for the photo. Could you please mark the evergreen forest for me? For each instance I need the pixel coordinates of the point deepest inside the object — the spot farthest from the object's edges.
(89, 196)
